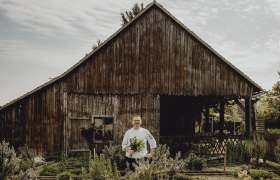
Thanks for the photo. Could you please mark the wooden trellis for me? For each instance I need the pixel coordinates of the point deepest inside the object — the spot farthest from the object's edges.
(208, 144)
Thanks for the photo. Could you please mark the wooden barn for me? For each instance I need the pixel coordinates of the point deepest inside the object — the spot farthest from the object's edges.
(153, 66)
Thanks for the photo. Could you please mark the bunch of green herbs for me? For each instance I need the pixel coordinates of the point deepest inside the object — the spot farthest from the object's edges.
(136, 145)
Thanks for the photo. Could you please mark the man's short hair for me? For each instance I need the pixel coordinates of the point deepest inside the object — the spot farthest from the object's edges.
(136, 116)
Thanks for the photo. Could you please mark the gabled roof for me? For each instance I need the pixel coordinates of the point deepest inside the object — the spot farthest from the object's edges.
(151, 5)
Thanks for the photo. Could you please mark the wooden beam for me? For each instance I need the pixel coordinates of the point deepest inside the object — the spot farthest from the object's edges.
(240, 104)
(248, 115)
(253, 118)
(222, 116)
(207, 122)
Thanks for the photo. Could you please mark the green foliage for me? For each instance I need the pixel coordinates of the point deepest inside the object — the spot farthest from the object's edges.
(231, 110)
(136, 145)
(235, 174)
(270, 104)
(274, 131)
(66, 175)
(259, 174)
(277, 150)
(51, 170)
(242, 173)
(131, 14)
(29, 174)
(257, 148)
(102, 168)
(237, 153)
(74, 162)
(71, 165)
(27, 158)
(115, 154)
(84, 174)
(195, 162)
(273, 164)
(162, 166)
(9, 163)
(76, 171)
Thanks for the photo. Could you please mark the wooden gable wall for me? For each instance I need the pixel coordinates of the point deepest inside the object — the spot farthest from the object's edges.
(156, 55)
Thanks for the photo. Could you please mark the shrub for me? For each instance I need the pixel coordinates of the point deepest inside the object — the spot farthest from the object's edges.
(235, 174)
(27, 158)
(9, 163)
(257, 148)
(115, 154)
(259, 174)
(29, 174)
(74, 162)
(275, 131)
(195, 162)
(273, 164)
(65, 176)
(76, 171)
(277, 150)
(102, 168)
(52, 170)
(162, 166)
(243, 174)
(237, 153)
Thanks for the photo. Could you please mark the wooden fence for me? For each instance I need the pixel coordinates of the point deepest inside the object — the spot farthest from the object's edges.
(207, 144)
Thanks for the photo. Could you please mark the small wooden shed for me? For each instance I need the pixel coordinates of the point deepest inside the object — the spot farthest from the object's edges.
(153, 66)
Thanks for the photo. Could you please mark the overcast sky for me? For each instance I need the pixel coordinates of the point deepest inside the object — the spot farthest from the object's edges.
(40, 40)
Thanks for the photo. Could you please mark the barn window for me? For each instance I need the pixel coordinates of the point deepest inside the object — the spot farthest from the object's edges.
(104, 128)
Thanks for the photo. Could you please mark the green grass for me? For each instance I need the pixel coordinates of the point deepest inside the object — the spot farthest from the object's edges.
(258, 174)
(273, 164)
(274, 131)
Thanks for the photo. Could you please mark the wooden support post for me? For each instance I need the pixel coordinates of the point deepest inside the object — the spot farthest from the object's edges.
(89, 161)
(253, 118)
(222, 116)
(248, 116)
(240, 104)
(207, 123)
(225, 159)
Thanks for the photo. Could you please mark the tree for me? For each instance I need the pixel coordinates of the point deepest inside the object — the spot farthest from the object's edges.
(125, 17)
(97, 44)
(131, 14)
(231, 109)
(269, 107)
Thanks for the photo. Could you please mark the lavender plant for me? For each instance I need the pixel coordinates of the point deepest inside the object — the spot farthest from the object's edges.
(162, 166)
(9, 163)
(102, 168)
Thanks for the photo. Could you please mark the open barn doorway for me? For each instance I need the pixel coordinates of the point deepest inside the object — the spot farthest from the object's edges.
(178, 115)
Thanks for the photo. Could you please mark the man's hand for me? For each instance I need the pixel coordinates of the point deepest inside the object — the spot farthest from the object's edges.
(151, 154)
(129, 151)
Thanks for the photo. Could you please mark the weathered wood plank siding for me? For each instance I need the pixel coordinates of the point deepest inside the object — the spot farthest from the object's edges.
(36, 121)
(121, 107)
(155, 55)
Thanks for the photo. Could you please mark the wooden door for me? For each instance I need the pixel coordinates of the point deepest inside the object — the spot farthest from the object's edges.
(77, 125)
